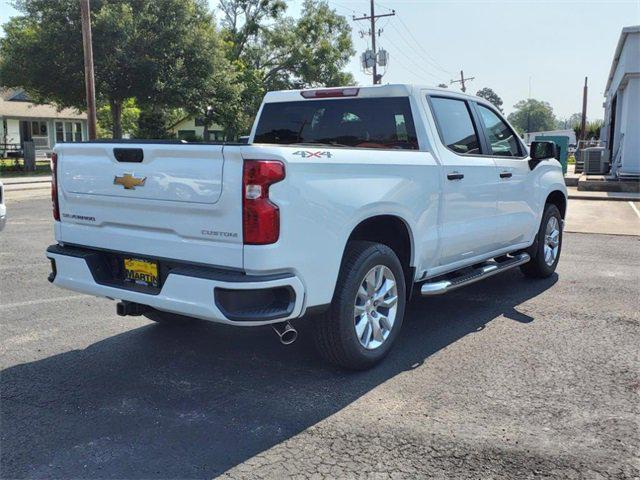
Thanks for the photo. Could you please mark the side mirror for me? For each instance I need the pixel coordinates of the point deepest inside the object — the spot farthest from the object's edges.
(540, 151)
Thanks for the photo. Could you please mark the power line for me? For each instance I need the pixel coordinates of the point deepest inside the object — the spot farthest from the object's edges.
(415, 65)
(419, 51)
(338, 5)
(424, 51)
(425, 58)
(410, 70)
(417, 45)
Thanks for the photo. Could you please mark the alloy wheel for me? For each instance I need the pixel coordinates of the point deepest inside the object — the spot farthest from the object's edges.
(375, 307)
(551, 241)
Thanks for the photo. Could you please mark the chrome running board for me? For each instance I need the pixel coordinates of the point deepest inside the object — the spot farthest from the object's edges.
(485, 270)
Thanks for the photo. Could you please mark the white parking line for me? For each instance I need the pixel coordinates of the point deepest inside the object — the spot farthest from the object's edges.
(40, 301)
(635, 209)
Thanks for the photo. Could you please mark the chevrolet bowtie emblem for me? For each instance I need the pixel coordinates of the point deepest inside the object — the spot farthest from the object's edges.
(128, 181)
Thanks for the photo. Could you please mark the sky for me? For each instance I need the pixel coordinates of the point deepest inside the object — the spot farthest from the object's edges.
(517, 48)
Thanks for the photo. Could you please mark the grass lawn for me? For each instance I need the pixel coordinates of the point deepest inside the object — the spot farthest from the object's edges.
(8, 168)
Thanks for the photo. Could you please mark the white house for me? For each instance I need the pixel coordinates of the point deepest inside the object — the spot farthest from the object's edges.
(621, 130)
(192, 129)
(45, 125)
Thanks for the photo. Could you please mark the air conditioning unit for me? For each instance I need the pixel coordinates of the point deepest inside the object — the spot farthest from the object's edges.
(596, 161)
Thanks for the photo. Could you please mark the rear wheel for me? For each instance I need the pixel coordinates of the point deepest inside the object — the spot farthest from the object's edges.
(545, 252)
(367, 309)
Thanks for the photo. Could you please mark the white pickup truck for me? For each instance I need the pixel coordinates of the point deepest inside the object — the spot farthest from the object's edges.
(343, 202)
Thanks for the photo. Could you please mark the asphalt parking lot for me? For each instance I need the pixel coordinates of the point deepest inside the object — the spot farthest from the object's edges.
(508, 378)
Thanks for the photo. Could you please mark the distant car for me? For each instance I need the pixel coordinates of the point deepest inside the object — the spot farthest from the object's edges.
(3, 208)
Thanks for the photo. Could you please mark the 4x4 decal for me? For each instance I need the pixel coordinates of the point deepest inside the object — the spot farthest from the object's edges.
(309, 154)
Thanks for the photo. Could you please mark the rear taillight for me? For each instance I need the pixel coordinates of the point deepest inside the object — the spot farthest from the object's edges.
(54, 186)
(260, 216)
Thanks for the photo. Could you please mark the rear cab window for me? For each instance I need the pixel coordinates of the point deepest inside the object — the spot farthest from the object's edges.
(379, 122)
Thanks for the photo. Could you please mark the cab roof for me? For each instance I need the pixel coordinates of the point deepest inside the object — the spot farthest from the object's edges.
(368, 91)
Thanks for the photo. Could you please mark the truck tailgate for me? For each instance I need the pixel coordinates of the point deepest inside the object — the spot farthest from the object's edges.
(176, 201)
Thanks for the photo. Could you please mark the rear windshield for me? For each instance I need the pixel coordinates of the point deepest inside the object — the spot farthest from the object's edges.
(354, 122)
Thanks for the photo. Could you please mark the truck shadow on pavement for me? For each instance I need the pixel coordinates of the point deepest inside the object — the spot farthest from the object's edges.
(193, 401)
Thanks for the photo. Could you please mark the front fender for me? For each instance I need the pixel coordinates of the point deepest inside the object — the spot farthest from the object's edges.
(549, 178)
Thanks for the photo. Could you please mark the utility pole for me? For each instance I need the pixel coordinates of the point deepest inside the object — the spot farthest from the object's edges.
(463, 87)
(372, 18)
(583, 121)
(89, 82)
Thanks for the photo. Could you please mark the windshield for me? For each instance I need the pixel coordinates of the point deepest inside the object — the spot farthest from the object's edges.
(354, 122)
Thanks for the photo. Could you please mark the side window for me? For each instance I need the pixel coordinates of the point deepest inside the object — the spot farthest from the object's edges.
(502, 140)
(455, 124)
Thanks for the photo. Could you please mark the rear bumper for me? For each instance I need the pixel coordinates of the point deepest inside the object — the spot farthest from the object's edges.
(212, 294)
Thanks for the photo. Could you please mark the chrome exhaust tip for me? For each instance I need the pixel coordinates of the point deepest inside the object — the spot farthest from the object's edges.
(286, 332)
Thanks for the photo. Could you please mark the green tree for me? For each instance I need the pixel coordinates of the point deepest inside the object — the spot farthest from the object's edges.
(154, 121)
(158, 52)
(129, 121)
(532, 116)
(592, 129)
(574, 119)
(272, 51)
(488, 94)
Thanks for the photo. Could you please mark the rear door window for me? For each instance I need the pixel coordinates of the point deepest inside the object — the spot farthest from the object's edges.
(455, 125)
(355, 122)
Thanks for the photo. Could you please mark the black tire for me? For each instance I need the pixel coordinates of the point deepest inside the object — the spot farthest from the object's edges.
(335, 334)
(538, 267)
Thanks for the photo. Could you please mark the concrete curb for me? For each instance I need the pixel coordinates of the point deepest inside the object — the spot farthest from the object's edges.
(28, 186)
(603, 198)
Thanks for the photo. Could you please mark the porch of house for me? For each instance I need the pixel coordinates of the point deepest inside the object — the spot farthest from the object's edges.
(44, 132)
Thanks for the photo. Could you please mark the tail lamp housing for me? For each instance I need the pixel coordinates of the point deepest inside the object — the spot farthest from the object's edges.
(260, 216)
(330, 92)
(54, 187)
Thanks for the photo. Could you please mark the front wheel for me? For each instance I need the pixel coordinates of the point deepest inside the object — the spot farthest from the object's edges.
(367, 309)
(545, 252)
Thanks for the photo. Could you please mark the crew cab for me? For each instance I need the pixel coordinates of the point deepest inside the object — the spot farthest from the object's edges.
(340, 205)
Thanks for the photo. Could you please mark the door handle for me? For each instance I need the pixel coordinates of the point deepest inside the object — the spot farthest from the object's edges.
(455, 176)
(506, 175)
